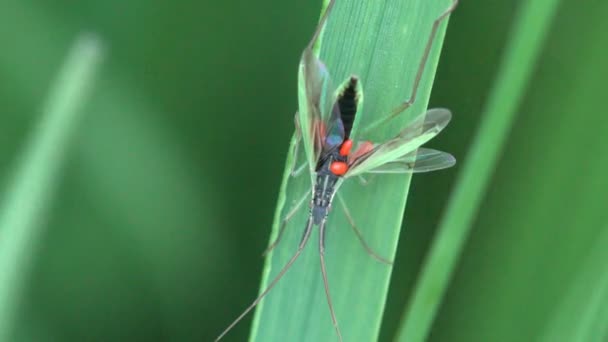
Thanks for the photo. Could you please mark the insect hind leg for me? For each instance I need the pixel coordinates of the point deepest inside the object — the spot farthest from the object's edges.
(364, 244)
(325, 281)
(421, 66)
(272, 283)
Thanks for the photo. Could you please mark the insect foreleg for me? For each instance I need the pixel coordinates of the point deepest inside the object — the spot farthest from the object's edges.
(421, 66)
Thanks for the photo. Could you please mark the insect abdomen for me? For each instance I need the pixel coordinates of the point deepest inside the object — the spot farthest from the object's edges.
(348, 105)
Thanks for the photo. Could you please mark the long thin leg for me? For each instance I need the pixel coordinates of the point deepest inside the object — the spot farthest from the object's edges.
(305, 237)
(364, 244)
(284, 223)
(325, 282)
(421, 66)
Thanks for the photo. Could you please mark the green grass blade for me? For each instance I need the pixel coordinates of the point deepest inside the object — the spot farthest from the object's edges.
(28, 196)
(521, 54)
(382, 43)
(538, 230)
(587, 296)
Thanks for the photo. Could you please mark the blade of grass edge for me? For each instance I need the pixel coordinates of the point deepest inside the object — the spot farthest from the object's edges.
(529, 32)
(29, 194)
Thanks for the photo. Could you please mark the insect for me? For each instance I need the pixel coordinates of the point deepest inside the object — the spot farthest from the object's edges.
(324, 125)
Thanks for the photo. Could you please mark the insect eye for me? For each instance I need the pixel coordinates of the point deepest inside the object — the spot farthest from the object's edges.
(338, 168)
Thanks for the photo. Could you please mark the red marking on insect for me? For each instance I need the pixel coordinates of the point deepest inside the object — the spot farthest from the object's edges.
(345, 148)
(321, 127)
(338, 168)
(363, 148)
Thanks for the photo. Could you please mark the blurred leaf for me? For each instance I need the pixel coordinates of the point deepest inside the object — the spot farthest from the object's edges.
(28, 198)
(582, 314)
(521, 54)
(535, 232)
(163, 202)
(147, 255)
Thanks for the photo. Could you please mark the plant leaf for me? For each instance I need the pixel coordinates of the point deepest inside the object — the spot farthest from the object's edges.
(382, 43)
(24, 205)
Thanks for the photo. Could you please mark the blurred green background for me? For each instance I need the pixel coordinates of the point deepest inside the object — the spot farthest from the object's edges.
(165, 200)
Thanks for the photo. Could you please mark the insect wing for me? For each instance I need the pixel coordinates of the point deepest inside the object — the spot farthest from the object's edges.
(419, 132)
(335, 130)
(346, 101)
(422, 160)
(318, 117)
(308, 113)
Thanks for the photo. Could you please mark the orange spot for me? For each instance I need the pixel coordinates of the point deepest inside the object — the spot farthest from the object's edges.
(362, 149)
(345, 148)
(338, 168)
(321, 128)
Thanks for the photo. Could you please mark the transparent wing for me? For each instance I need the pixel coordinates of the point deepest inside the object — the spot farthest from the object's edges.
(319, 116)
(346, 101)
(310, 83)
(422, 160)
(332, 129)
(315, 92)
(423, 129)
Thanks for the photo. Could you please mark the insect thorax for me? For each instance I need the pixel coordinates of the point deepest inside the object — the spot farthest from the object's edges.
(324, 189)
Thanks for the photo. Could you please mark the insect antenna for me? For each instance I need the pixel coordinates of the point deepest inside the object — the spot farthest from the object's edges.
(303, 242)
(325, 282)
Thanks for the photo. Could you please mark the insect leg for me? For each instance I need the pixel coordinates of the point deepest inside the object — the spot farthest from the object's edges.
(307, 232)
(325, 282)
(367, 248)
(421, 66)
(284, 222)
